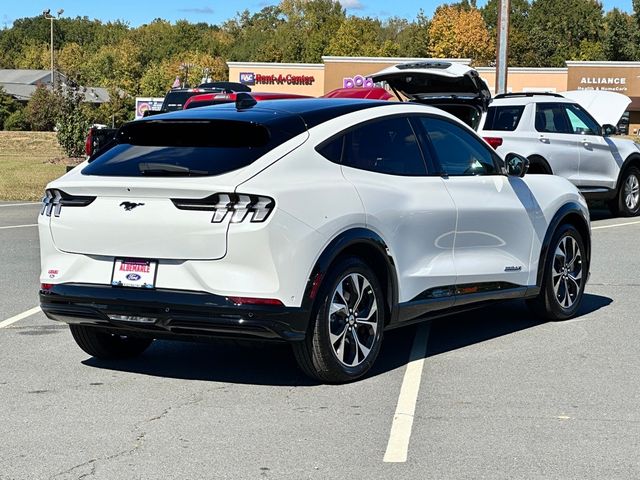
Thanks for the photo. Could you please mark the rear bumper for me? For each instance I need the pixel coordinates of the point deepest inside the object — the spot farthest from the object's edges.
(178, 314)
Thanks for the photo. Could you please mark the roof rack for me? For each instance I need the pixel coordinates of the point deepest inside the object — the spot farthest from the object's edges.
(527, 94)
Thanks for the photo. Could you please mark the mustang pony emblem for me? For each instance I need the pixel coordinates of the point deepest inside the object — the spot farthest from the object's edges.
(128, 206)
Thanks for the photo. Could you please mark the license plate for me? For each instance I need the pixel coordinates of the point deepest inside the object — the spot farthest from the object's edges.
(134, 273)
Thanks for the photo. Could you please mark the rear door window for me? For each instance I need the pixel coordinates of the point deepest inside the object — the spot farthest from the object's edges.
(504, 118)
(385, 146)
(551, 118)
(185, 148)
(458, 151)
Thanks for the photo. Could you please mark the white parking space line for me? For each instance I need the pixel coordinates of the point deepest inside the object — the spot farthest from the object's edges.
(398, 445)
(18, 204)
(20, 316)
(19, 226)
(616, 225)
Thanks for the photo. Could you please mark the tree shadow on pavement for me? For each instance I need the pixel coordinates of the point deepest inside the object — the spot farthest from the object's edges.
(274, 364)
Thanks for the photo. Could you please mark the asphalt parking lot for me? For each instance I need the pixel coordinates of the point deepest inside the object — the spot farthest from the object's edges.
(501, 395)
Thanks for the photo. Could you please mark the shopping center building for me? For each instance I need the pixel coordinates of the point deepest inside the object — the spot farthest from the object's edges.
(316, 79)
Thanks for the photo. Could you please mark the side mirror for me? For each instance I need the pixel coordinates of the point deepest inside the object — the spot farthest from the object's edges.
(517, 165)
(608, 130)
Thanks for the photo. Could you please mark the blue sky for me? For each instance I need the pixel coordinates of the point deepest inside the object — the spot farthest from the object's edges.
(137, 12)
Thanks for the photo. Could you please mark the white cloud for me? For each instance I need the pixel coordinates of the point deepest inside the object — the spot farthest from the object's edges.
(352, 4)
(197, 10)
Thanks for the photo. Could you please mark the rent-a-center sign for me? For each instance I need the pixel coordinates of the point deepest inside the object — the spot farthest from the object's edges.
(250, 78)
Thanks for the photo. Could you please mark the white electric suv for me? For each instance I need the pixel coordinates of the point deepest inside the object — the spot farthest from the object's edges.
(569, 134)
(320, 222)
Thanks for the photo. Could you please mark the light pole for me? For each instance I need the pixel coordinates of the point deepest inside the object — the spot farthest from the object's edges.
(504, 9)
(47, 14)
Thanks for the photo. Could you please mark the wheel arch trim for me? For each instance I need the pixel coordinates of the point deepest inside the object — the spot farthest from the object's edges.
(347, 241)
(565, 214)
(631, 160)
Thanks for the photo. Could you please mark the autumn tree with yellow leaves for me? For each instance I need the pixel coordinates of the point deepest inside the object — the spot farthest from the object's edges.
(457, 32)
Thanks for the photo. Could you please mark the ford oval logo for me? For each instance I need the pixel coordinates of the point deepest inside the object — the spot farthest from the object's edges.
(133, 277)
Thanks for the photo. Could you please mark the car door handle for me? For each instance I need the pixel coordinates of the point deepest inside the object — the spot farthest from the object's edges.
(543, 139)
(586, 144)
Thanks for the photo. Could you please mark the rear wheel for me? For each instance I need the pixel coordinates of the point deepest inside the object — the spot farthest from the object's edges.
(103, 344)
(627, 201)
(345, 334)
(565, 275)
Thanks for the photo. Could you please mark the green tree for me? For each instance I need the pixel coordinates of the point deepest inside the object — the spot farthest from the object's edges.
(117, 66)
(72, 124)
(17, 121)
(413, 40)
(118, 110)
(563, 30)
(621, 34)
(43, 109)
(7, 106)
(308, 28)
(255, 36)
(361, 36)
(72, 62)
(519, 42)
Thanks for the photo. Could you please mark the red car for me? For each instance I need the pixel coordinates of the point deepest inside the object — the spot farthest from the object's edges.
(372, 93)
(206, 99)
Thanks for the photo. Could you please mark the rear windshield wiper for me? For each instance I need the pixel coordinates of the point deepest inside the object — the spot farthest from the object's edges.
(167, 169)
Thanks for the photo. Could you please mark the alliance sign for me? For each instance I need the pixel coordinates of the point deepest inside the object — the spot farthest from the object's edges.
(610, 84)
(621, 78)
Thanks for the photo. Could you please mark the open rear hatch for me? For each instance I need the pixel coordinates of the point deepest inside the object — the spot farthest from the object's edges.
(605, 107)
(453, 87)
(165, 191)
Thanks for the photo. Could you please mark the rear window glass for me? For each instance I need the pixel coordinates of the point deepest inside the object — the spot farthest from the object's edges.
(185, 148)
(503, 118)
(176, 100)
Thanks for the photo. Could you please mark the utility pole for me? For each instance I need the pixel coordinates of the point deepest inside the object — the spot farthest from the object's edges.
(47, 14)
(502, 58)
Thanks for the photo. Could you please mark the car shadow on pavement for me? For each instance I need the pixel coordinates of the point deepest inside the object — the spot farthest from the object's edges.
(274, 364)
(599, 211)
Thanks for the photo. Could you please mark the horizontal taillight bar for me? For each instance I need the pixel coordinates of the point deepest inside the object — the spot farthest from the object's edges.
(238, 206)
(55, 199)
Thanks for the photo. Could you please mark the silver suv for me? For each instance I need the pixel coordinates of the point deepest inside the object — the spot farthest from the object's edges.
(570, 135)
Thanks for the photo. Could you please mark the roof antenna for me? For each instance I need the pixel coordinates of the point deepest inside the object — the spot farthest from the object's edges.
(244, 100)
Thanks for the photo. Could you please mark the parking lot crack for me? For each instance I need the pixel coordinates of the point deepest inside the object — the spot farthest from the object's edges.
(139, 442)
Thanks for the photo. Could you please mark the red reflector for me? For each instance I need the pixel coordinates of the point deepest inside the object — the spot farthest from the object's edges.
(467, 290)
(256, 301)
(46, 286)
(495, 142)
(316, 285)
(88, 144)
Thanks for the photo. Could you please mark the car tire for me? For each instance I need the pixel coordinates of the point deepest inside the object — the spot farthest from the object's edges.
(108, 346)
(340, 346)
(627, 201)
(564, 278)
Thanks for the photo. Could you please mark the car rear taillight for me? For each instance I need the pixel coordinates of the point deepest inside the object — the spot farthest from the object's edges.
(55, 199)
(495, 142)
(256, 301)
(239, 206)
(88, 144)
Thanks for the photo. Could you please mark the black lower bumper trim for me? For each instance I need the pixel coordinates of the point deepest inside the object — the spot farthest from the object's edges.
(172, 313)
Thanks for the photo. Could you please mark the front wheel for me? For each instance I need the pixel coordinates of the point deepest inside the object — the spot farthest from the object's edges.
(565, 275)
(627, 202)
(108, 346)
(345, 334)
